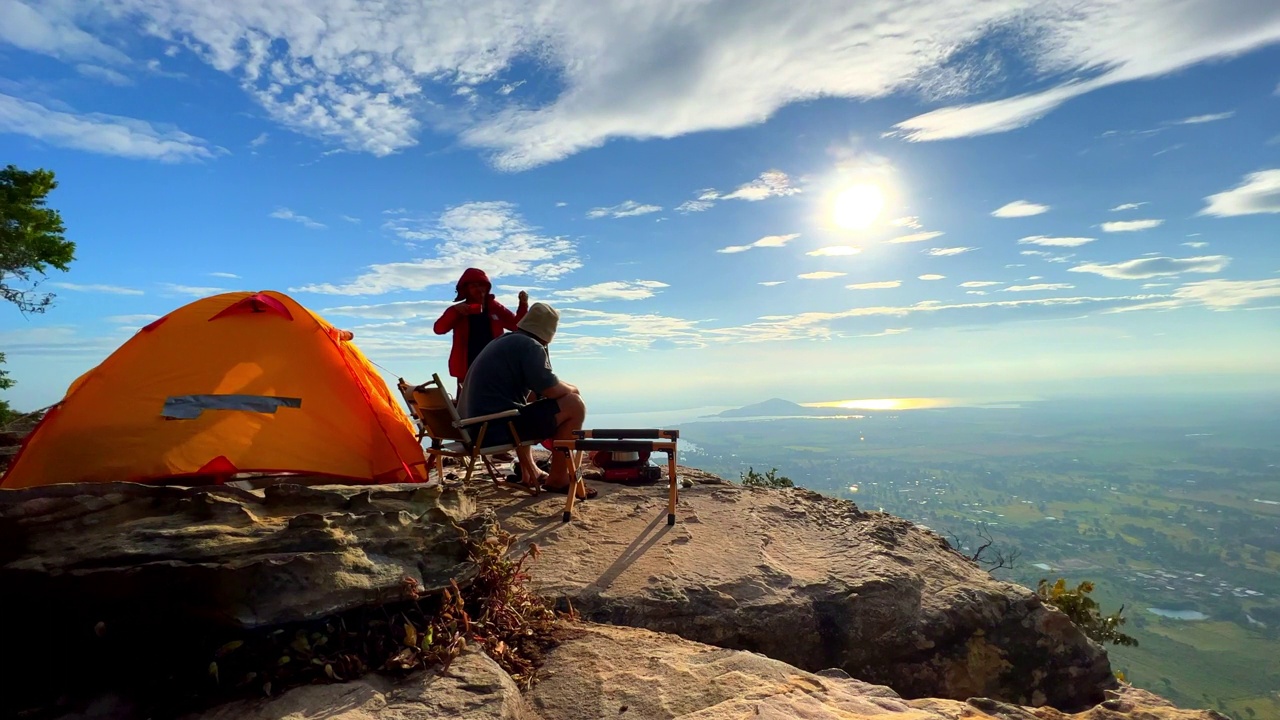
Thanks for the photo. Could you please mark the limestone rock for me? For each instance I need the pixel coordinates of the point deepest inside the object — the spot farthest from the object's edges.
(240, 558)
(473, 688)
(811, 581)
(600, 671)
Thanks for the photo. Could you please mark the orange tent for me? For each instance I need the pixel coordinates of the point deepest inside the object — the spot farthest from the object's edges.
(238, 382)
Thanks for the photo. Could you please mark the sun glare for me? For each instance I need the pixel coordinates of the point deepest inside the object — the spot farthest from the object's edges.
(857, 206)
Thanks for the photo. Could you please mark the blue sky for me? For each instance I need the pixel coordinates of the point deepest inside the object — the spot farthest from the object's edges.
(727, 201)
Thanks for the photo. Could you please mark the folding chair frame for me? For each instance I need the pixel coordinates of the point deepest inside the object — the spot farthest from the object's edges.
(459, 431)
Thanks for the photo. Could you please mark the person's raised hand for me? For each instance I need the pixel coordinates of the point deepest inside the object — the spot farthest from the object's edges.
(463, 308)
(524, 297)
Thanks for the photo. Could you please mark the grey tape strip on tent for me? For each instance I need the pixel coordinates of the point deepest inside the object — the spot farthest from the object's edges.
(189, 407)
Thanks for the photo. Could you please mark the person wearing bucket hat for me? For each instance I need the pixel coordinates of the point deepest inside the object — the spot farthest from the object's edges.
(505, 375)
(475, 320)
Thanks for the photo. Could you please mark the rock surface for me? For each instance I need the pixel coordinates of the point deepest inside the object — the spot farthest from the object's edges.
(474, 687)
(234, 557)
(811, 581)
(618, 672)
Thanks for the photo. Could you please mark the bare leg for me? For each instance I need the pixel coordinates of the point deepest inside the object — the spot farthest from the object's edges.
(530, 474)
(573, 413)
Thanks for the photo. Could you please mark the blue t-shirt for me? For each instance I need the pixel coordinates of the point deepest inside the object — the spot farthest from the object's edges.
(503, 373)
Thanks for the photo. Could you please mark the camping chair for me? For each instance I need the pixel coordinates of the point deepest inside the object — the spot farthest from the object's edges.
(650, 440)
(436, 416)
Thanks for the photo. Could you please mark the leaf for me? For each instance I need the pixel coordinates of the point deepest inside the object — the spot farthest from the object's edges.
(266, 688)
(213, 672)
(284, 660)
(228, 648)
(328, 670)
(410, 635)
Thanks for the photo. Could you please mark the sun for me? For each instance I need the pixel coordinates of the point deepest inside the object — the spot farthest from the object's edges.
(857, 206)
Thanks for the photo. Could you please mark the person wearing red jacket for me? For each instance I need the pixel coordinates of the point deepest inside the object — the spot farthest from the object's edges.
(475, 320)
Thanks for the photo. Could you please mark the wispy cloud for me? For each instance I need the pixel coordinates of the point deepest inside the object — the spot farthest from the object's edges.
(105, 74)
(491, 235)
(1019, 208)
(980, 283)
(945, 252)
(99, 133)
(881, 285)
(1257, 193)
(131, 320)
(50, 29)
(627, 208)
(771, 283)
(766, 241)
(352, 220)
(194, 290)
(1037, 287)
(228, 275)
(1055, 241)
(285, 213)
(613, 290)
(916, 237)
(1127, 206)
(1045, 255)
(887, 332)
(1196, 244)
(1201, 119)
(834, 250)
(771, 183)
(932, 276)
(1130, 225)
(259, 141)
(402, 310)
(820, 275)
(104, 289)
(1150, 267)
(910, 221)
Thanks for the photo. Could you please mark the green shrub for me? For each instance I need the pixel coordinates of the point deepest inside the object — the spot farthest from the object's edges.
(1085, 612)
(771, 479)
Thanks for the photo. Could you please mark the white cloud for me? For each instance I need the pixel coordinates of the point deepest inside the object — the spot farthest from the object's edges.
(932, 276)
(627, 208)
(1127, 206)
(1045, 255)
(613, 290)
(228, 275)
(771, 183)
(195, 290)
(916, 237)
(48, 28)
(766, 241)
(771, 283)
(99, 133)
(881, 285)
(368, 76)
(1257, 193)
(1130, 225)
(491, 235)
(1152, 286)
(107, 75)
(1227, 294)
(1143, 268)
(1196, 244)
(979, 283)
(352, 220)
(1019, 208)
(403, 310)
(887, 332)
(909, 221)
(820, 275)
(259, 141)
(834, 250)
(287, 214)
(561, 204)
(1038, 287)
(975, 292)
(945, 252)
(107, 289)
(1055, 241)
(132, 320)
(1201, 119)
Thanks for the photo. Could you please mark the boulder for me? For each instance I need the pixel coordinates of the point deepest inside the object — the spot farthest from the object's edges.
(119, 584)
(811, 581)
(240, 558)
(599, 671)
(473, 688)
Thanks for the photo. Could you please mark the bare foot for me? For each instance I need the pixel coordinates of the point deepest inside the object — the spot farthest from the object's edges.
(534, 477)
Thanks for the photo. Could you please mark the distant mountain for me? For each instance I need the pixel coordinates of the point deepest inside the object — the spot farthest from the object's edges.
(777, 407)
